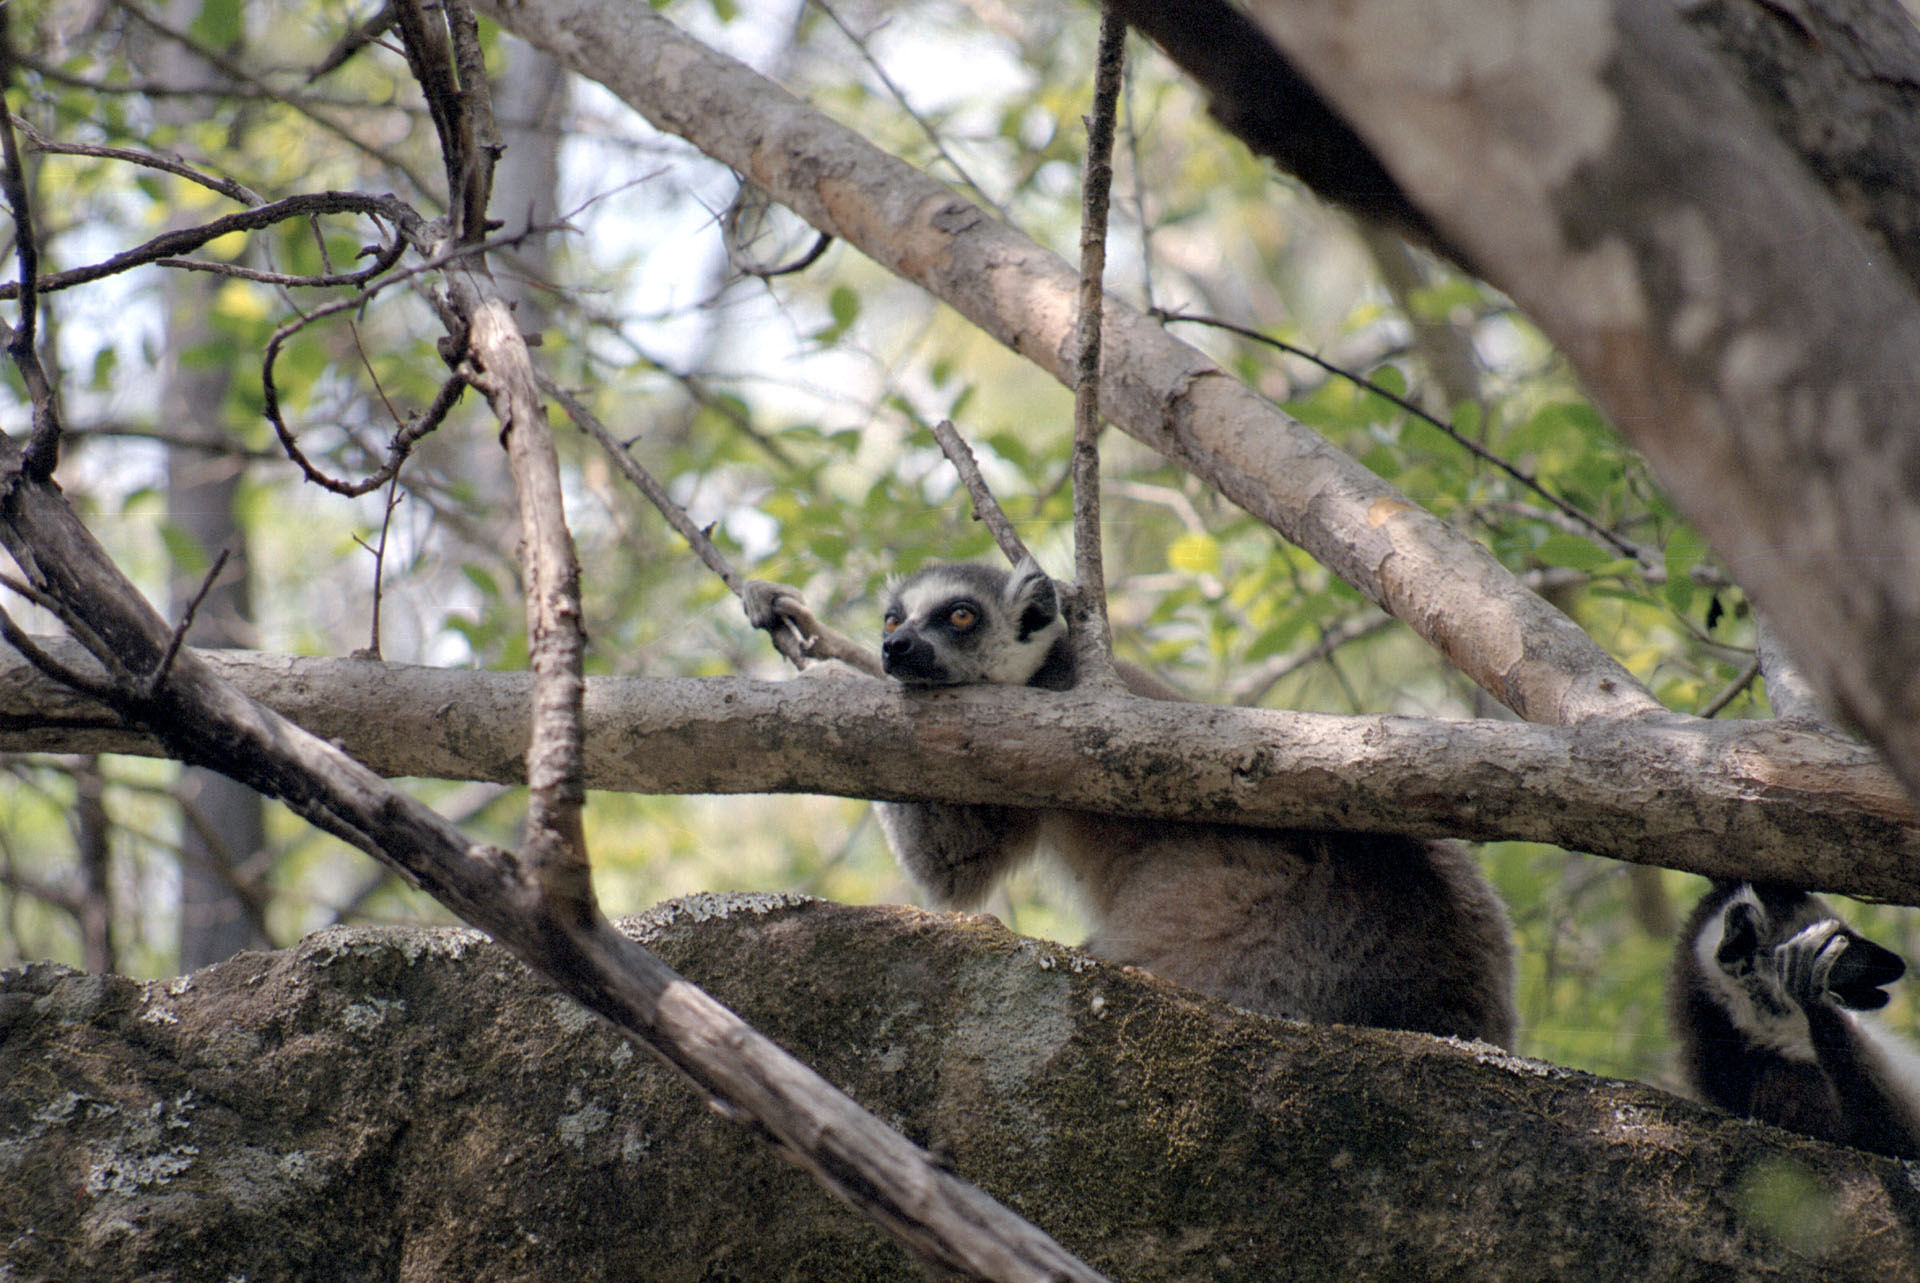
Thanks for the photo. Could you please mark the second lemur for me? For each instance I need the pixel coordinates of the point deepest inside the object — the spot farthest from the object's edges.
(1334, 928)
(1765, 1006)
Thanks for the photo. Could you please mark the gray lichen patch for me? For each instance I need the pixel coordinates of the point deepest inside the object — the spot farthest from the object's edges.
(708, 906)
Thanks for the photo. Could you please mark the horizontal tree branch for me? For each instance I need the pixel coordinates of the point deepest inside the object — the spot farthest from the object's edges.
(1742, 799)
(1444, 585)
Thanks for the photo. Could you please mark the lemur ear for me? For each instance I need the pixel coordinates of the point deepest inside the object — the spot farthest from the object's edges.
(1031, 597)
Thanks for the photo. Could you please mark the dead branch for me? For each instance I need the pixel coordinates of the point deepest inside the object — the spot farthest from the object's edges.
(986, 508)
(1093, 636)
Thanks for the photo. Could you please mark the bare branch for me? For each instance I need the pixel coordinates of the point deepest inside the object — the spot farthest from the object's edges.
(1792, 696)
(442, 48)
(1727, 797)
(151, 681)
(986, 508)
(149, 160)
(555, 844)
(187, 239)
(1093, 635)
(43, 450)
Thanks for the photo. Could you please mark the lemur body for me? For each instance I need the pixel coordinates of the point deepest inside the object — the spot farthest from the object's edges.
(1328, 927)
(1768, 986)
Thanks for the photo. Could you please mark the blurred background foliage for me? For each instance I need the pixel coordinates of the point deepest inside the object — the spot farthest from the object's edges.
(790, 412)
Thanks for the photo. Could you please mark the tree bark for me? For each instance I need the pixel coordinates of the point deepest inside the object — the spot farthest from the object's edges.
(410, 1103)
(1742, 799)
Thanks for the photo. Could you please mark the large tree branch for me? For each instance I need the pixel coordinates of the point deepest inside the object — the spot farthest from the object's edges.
(1599, 165)
(1744, 799)
(1166, 394)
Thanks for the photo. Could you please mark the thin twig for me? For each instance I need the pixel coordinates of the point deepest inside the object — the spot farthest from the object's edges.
(187, 239)
(160, 670)
(359, 37)
(240, 75)
(410, 433)
(385, 256)
(379, 551)
(1253, 688)
(73, 679)
(985, 507)
(117, 672)
(1732, 689)
(804, 638)
(801, 264)
(900, 99)
(42, 453)
(644, 482)
(1137, 173)
(146, 159)
(1626, 547)
(1089, 566)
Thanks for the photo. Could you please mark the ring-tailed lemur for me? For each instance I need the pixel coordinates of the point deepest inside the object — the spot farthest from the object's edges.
(1335, 928)
(1768, 987)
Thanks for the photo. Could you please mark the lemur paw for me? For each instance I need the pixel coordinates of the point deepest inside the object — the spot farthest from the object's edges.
(1828, 961)
(768, 604)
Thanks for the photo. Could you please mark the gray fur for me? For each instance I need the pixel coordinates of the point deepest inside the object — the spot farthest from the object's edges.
(1336, 928)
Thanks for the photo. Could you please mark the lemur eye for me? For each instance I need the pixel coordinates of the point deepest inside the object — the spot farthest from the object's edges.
(889, 624)
(963, 617)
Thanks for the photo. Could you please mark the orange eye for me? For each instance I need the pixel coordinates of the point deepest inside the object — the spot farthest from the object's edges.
(888, 625)
(962, 617)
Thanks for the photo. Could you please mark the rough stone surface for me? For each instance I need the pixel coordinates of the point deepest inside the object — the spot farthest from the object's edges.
(412, 1104)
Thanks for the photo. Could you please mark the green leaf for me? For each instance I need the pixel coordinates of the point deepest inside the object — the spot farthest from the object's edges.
(184, 550)
(218, 23)
(1573, 552)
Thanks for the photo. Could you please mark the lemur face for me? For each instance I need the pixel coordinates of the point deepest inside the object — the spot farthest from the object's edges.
(968, 624)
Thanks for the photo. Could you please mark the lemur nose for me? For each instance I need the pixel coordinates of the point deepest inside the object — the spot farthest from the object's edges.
(897, 644)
